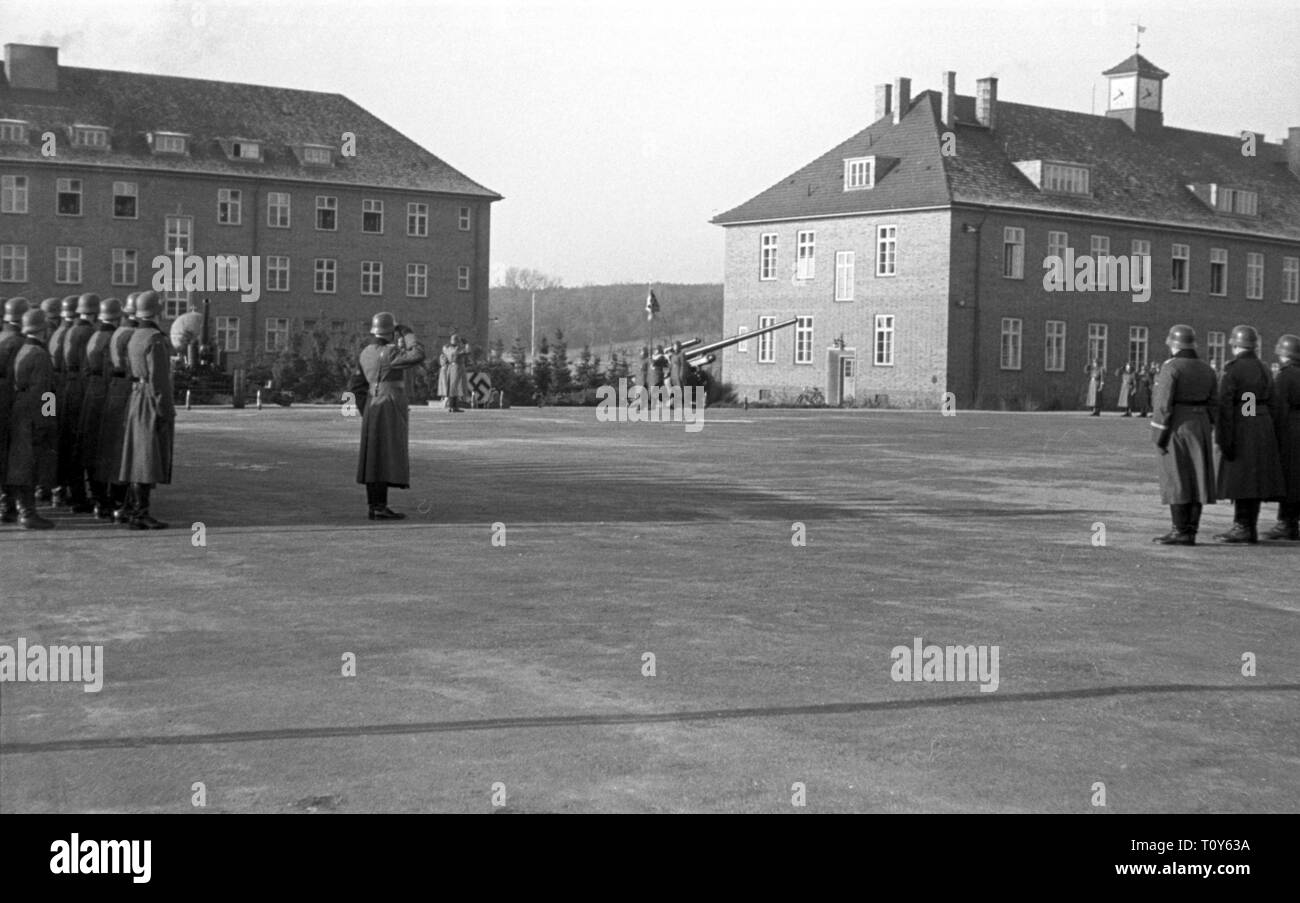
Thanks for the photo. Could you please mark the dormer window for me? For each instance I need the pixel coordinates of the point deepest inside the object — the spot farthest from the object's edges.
(1057, 177)
(317, 155)
(170, 143)
(13, 131)
(90, 136)
(859, 173)
(1234, 200)
(242, 149)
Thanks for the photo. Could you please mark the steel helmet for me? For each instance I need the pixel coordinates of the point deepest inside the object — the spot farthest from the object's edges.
(148, 306)
(383, 325)
(14, 310)
(1181, 336)
(1244, 337)
(128, 308)
(69, 307)
(1288, 347)
(34, 322)
(88, 305)
(51, 307)
(110, 310)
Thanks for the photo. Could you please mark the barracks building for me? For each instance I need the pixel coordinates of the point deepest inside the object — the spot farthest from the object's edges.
(102, 171)
(913, 253)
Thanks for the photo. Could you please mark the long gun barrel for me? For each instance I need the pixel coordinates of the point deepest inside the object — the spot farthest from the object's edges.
(704, 350)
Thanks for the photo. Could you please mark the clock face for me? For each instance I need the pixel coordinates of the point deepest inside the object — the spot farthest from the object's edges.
(1148, 94)
(1123, 92)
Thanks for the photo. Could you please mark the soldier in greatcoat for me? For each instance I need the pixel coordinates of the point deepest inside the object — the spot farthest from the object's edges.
(453, 382)
(1127, 388)
(1286, 421)
(96, 373)
(1096, 383)
(11, 339)
(384, 459)
(112, 425)
(53, 320)
(33, 431)
(72, 474)
(1249, 472)
(68, 318)
(1182, 420)
(150, 427)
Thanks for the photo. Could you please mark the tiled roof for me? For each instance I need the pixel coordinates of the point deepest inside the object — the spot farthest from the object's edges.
(132, 104)
(1140, 177)
(1139, 64)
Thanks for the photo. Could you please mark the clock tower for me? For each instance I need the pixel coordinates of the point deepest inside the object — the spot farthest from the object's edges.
(1135, 93)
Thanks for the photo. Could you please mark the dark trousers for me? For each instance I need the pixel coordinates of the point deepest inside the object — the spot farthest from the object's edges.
(1288, 512)
(1187, 517)
(1246, 512)
(377, 495)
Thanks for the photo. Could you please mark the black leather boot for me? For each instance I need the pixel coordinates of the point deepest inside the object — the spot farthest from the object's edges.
(1183, 533)
(142, 520)
(28, 519)
(124, 507)
(8, 505)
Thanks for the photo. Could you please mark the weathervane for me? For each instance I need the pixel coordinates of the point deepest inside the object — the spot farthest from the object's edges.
(1137, 43)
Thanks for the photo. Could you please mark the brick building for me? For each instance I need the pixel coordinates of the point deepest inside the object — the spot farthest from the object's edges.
(102, 171)
(915, 251)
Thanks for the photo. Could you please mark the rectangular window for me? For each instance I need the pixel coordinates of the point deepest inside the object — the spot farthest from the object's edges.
(1065, 179)
(767, 256)
(1218, 271)
(125, 261)
(463, 219)
(1235, 200)
(13, 131)
(228, 333)
(1011, 335)
(230, 205)
(277, 333)
(1057, 242)
(327, 213)
(1137, 346)
(1217, 343)
(175, 304)
(372, 277)
(277, 209)
(417, 280)
(884, 342)
(1054, 351)
(317, 156)
(89, 136)
(326, 276)
(372, 216)
(743, 347)
(462, 279)
(245, 150)
(766, 346)
(125, 197)
(1178, 274)
(1291, 280)
(1140, 248)
(13, 263)
(417, 220)
(1254, 276)
(844, 275)
(1100, 246)
(857, 173)
(13, 194)
(168, 144)
(277, 274)
(887, 250)
(69, 197)
(1013, 253)
(179, 234)
(1097, 343)
(806, 265)
(67, 265)
(803, 340)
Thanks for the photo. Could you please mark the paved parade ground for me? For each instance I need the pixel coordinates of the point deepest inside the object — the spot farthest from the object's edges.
(519, 669)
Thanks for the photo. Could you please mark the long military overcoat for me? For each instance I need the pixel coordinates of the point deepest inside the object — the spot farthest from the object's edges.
(73, 352)
(453, 382)
(33, 427)
(96, 377)
(1248, 466)
(112, 425)
(385, 425)
(1184, 402)
(11, 339)
(150, 425)
(1286, 420)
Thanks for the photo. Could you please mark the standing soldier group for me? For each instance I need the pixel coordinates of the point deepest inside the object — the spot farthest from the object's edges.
(1254, 419)
(86, 409)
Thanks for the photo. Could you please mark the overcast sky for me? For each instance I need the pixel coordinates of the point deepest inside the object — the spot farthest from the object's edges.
(616, 129)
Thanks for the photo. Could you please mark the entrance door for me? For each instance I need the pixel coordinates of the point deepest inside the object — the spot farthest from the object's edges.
(848, 380)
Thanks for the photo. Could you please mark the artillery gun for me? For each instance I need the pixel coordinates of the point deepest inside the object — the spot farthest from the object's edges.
(699, 356)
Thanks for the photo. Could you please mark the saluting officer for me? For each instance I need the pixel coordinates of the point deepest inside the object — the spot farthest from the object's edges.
(71, 473)
(1182, 418)
(112, 425)
(384, 460)
(11, 339)
(1249, 472)
(97, 373)
(150, 427)
(1286, 420)
(33, 436)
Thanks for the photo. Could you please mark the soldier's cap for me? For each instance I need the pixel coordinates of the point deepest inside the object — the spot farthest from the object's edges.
(34, 322)
(14, 310)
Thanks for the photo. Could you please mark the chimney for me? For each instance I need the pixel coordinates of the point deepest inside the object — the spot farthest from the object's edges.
(32, 66)
(1293, 150)
(986, 102)
(949, 102)
(884, 93)
(902, 97)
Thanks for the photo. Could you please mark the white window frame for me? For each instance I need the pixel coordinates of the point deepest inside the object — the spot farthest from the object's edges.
(246, 150)
(1013, 252)
(94, 136)
(1012, 340)
(886, 251)
(277, 333)
(806, 254)
(1216, 345)
(230, 203)
(803, 341)
(372, 277)
(1139, 346)
(13, 131)
(767, 247)
(417, 220)
(175, 303)
(372, 206)
(328, 203)
(277, 273)
(126, 190)
(126, 266)
(225, 328)
(1099, 247)
(464, 219)
(1291, 280)
(417, 280)
(169, 143)
(67, 261)
(274, 209)
(176, 227)
(859, 173)
(1098, 342)
(325, 269)
(14, 194)
(1184, 253)
(1067, 178)
(845, 266)
(883, 335)
(766, 345)
(13, 260)
(65, 187)
(742, 347)
(462, 279)
(1054, 346)
(1219, 257)
(317, 155)
(1140, 247)
(1057, 244)
(1254, 276)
